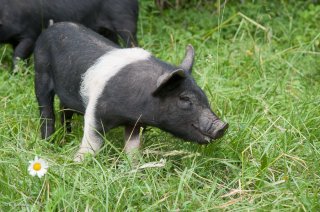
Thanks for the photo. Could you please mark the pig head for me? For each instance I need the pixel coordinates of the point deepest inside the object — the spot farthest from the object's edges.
(183, 108)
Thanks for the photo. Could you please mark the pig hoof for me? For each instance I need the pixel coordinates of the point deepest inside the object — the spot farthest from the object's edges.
(81, 155)
(16, 69)
(15, 66)
(78, 159)
(82, 152)
(133, 159)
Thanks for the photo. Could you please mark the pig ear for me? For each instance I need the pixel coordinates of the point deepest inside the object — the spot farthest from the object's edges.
(168, 79)
(187, 62)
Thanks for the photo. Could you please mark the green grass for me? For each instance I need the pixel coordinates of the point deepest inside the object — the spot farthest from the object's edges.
(260, 67)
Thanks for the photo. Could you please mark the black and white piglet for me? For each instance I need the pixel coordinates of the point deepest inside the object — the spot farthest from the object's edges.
(114, 87)
(21, 21)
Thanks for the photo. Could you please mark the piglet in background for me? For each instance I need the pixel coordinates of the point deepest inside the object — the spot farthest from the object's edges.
(115, 87)
(21, 21)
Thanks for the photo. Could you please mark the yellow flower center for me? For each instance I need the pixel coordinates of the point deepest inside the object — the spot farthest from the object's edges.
(36, 166)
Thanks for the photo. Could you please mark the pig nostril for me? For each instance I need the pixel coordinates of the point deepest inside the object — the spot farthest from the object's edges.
(220, 132)
(225, 126)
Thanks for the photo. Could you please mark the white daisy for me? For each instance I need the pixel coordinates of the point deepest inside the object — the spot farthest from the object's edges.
(38, 167)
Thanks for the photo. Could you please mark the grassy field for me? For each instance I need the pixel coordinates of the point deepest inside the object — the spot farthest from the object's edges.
(259, 64)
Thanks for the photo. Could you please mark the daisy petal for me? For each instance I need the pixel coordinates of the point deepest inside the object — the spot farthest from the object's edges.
(33, 173)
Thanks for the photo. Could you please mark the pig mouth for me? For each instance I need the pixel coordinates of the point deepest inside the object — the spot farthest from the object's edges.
(207, 138)
(211, 131)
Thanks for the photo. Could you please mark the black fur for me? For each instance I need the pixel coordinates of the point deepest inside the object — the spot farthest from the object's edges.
(21, 21)
(151, 91)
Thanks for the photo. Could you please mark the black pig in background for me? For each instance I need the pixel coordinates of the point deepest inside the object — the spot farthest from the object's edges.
(21, 21)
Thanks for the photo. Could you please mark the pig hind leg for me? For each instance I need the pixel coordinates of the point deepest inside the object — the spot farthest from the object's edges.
(45, 96)
(45, 101)
(65, 117)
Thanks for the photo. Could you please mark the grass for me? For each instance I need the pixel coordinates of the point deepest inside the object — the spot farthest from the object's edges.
(259, 65)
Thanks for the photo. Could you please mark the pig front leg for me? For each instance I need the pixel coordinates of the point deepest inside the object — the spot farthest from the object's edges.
(132, 139)
(91, 141)
(23, 50)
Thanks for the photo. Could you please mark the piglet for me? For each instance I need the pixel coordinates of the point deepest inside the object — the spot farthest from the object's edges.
(114, 87)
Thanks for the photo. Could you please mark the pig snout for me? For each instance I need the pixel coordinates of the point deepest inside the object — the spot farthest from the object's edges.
(212, 127)
(220, 129)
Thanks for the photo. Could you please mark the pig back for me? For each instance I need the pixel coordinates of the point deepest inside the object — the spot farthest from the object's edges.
(69, 50)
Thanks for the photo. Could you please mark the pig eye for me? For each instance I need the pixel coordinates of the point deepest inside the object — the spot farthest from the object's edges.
(185, 98)
(185, 102)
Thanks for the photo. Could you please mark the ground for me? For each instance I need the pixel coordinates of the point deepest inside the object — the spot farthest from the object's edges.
(259, 65)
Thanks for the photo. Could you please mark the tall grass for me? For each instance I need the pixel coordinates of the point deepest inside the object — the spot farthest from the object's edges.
(259, 65)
